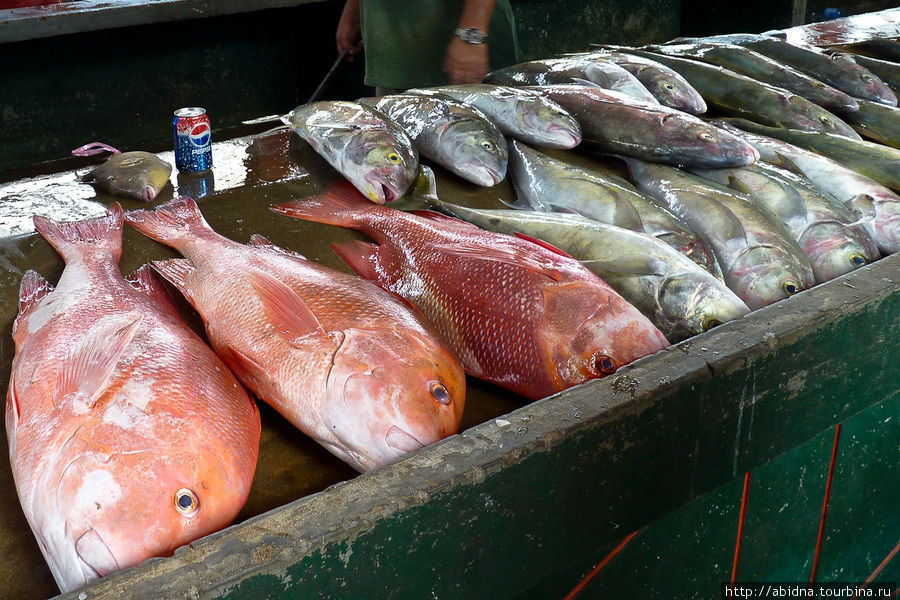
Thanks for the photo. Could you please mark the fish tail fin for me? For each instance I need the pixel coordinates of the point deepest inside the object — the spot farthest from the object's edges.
(341, 204)
(33, 288)
(101, 235)
(170, 222)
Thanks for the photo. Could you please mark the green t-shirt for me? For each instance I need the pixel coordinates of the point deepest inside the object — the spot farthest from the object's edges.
(405, 42)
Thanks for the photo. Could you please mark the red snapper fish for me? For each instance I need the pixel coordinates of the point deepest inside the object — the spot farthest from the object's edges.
(347, 363)
(518, 314)
(128, 436)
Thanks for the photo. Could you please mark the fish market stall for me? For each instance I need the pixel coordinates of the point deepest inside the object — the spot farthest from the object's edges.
(529, 496)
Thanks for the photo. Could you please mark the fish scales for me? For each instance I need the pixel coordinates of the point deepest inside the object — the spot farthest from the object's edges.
(501, 303)
(345, 362)
(117, 412)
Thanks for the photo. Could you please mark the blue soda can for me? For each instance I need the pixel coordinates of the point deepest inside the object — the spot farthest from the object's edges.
(193, 140)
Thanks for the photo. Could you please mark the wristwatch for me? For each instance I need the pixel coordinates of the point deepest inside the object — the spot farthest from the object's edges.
(470, 35)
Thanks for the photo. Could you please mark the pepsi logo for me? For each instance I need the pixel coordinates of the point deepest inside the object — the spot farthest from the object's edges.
(200, 135)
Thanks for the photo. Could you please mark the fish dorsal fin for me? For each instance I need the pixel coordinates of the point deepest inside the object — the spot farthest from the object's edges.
(285, 309)
(520, 257)
(788, 164)
(444, 219)
(34, 287)
(259, 241)
(176, 271)
(736, 184)
(542, 244)
(147, 282)
(360, 256)
(92, 360)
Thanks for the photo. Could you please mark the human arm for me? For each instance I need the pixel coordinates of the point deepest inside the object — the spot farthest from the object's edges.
(349, 31)
(464, 62)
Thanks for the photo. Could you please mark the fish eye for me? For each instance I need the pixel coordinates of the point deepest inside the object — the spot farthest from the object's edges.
(604, 364)
(709, 323)
(825, 120)
(857, 259)
(865, 77)
(393, 157)
(668, 86)
(186, 502)
(790, 287)
(439, 392)
(489, 146)
(706, 137)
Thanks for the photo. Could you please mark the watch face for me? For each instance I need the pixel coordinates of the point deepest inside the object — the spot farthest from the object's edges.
(471, 36)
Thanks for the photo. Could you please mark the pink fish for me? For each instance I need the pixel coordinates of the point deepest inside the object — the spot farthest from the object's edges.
(128, 436)
(517, 313)
(345, 362)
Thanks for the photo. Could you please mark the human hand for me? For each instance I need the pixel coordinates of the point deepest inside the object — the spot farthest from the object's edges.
(464, 62)
(349, 31)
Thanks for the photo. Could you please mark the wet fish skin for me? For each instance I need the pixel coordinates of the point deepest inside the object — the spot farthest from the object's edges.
(455, 135)
(877, 161)
(615, 123)
(734, 93)
(762, 263)
(762, 68)
(516, 112)
(853, 79)
(572, 70)
(346, 363)
(544, 183)
(667, 86)
(517, 314)
(824, 228)
(888, 72)
(137, 174)
(877, 206)
(878, 122)
(128, 436)
(678, 296)
(362, 144)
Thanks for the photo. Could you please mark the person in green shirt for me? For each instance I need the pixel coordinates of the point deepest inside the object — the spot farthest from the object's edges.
(428, 42)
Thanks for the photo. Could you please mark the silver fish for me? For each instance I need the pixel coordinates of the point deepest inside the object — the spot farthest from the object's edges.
(762, 262)
(372, 152)
(455, 135)
(518, 113)
(826, 230)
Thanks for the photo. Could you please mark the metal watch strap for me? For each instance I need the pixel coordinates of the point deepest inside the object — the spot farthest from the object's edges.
(470, 35)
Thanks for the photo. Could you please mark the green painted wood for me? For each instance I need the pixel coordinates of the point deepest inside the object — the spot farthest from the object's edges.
(689, 552)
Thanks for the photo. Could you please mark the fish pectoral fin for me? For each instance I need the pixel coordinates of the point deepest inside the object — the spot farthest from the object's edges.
(90, 363)
(33, 288)
(736, 184)
(788, 164)
(445, 219)
(146, 281)
(12, 407)
(177, 271)
(250, 372)
(260, 241)
(517, 257)
(360, 256)
(285, 309)
(94, 553)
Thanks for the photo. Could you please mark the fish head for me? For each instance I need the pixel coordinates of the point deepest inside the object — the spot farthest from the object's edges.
(835, 248)
(765, 274)
(675, 92)
(382, 166)
(116, 510)
(138, 175)
(712, 146)
(557, 127)
(874, 88)
(476, 153)
(391, 393)
(589, 332)
(815, 117)
(691, 303)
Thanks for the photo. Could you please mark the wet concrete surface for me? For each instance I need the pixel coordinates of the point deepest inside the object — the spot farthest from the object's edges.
(249, 175)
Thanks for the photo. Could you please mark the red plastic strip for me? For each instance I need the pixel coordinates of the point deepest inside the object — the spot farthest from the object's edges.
(821, 536)
(740, 532)
(878, 570)
(583, 583)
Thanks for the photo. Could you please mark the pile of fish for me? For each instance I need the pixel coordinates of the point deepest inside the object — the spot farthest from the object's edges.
(748, 181)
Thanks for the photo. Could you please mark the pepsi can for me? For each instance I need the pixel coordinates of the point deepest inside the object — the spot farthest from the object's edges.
(193, 140)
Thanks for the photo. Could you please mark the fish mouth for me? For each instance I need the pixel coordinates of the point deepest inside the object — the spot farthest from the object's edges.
(148, 194)
(399, 439)
(482, 175)
(381, 190)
